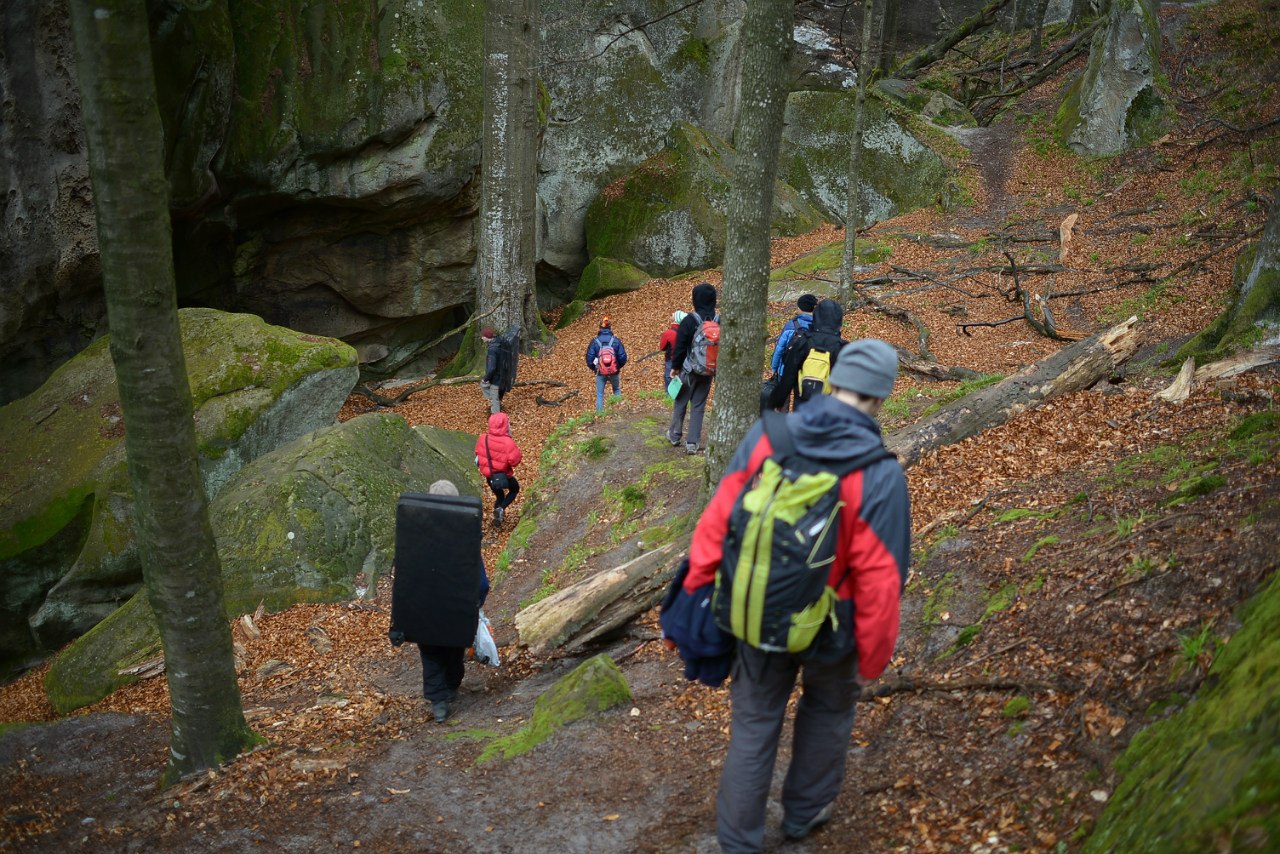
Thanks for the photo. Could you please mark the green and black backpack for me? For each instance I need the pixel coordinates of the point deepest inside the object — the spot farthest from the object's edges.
(771, 588)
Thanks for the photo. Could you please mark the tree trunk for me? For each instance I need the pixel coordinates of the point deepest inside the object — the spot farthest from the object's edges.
(978, 21)
(609, 599)
(596, 605)
(853, 186)
(1072, 368)
(1037, 27)
(509, 170)
(887, 37)
(767, 41)
(179, 558)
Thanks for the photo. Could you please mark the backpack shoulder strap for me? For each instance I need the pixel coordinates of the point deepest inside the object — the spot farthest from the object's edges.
(775, 427)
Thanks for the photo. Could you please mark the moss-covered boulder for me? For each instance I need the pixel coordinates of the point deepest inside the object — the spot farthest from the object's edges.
(1208, 778)
(815, 271)
(603, 276)
(937, 107)
(592, 687)
(1118, 103)
(67, 551)
(899, 172)
(668, 216)
(308, 522)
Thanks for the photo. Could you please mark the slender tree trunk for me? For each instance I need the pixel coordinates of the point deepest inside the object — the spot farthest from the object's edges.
(1037, 31)
(179, 558)
(767, 41)
(509, 169)
(888, 36)
(853, 186)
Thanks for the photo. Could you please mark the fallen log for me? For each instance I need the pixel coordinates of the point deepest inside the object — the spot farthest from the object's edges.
(601, 603)
(1072, 368)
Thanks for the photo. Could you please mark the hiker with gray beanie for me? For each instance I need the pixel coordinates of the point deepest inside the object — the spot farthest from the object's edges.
(834, 433)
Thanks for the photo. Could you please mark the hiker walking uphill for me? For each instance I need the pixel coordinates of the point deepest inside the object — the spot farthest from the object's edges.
(667, 344)
(497, 455)
(810, 357)
(606, 357)
(824, 603)
(693, 362)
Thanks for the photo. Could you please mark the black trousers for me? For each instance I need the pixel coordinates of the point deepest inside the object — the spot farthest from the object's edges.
(504, 497)
(442, 669)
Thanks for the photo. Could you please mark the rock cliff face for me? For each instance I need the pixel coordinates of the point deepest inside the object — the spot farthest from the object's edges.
(322, 157)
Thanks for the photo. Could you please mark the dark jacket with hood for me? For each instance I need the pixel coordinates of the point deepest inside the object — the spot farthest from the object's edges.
(704, 306)
(874, 534)
(823, 334)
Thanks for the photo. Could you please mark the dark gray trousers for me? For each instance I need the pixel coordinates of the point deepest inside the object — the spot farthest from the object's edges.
(693, 397)
(762, 683)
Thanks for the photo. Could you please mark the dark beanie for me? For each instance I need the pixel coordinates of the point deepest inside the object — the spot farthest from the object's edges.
(868, 366)
(807, 302)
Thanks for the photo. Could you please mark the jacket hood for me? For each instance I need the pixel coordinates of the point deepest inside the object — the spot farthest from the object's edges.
(828, 316)
(499, 424)
(828, 429)
(704, 299)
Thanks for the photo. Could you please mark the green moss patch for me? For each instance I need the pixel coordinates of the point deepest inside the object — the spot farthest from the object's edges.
(590, 688)
(1208, 778)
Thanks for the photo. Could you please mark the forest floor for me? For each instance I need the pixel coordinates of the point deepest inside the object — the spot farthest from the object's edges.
(1074, 571)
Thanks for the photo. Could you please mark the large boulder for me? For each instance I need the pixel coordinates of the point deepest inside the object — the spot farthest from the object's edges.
(1117, 103)
(668, 215)
(68, 556)
(899, 172)
(313, 521)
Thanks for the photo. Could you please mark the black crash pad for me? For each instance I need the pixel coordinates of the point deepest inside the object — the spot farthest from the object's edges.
(436, 592)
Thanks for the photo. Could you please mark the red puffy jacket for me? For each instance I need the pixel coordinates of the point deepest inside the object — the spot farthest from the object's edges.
(497, 445)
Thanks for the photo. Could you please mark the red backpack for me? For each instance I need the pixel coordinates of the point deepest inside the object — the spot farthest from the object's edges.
(705, 349)
(607, 360)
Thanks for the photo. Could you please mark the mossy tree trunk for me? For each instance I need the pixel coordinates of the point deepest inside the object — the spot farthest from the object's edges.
(179, 559)
(509, 170)
(1254, 315)
(887, 40)
(757, 135)
(853, 208)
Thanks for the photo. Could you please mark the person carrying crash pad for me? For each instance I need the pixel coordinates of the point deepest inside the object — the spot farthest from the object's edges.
(606, 357)
(801, 556)
(434, 603)
(499, 365)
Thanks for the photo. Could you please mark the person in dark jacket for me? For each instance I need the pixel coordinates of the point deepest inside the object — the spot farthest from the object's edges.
(824, 335)
(444, 666)
(694, 387)
(497, 455)
(494, 368)
(609, 373)
(868, 574)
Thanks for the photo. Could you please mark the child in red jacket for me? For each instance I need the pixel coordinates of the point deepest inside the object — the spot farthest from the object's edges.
(667, 343)
(497, 456)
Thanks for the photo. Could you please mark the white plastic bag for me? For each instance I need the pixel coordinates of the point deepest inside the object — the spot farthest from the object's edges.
(486, 649)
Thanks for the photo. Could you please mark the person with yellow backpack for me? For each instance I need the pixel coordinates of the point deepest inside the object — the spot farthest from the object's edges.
(807, 362)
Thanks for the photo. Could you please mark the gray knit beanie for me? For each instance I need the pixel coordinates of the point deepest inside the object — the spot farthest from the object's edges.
(868, 366)
(443, 487)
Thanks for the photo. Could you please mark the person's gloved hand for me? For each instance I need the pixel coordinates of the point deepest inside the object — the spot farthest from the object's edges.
(397, 638)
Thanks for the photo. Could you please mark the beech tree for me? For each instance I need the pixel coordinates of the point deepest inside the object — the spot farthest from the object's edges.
(853, 196)
(180, 565)
(509, 168)
(757, 135)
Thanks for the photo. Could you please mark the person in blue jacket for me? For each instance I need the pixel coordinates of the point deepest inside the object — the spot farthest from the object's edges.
(803, 320)
(606, 357)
